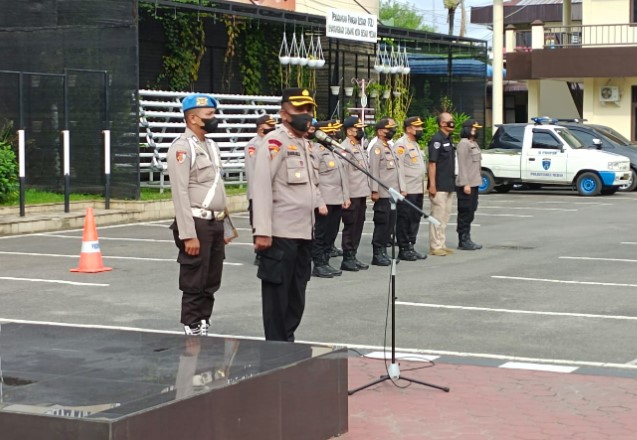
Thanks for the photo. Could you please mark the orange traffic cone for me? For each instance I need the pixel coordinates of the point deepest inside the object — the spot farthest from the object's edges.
(91, 255)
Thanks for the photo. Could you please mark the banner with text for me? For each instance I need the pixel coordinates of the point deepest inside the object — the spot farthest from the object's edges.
(351, 25)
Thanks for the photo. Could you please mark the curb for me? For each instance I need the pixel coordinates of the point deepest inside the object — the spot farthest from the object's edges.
(51, 216)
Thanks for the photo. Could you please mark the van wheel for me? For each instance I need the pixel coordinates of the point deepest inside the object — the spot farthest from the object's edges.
(632, 185)
(488, 182)
(588, 184)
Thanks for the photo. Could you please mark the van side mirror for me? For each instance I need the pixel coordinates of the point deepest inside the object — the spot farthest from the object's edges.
(597, 143)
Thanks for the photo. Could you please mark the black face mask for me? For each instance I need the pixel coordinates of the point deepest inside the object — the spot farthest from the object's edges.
(301, 123)
(336, 136)
(311, 135)
(267, 130)
(451, 124)
(360, 134)
(210, 125)
(419, 134)
(390, 134)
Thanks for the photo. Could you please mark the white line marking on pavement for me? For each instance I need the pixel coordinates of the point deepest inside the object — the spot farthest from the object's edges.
(629, 242)
(591, 283)
(538, 367)
(522, 312)
(401, 356)
(72, 283)
(35, 254)
(534, 208)
(99, 228)
(146, 240)
(482, 214)
(340, 344)
(633, 362)
(623, 260)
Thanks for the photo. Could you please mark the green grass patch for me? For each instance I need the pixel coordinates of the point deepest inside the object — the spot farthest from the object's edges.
(36, 197)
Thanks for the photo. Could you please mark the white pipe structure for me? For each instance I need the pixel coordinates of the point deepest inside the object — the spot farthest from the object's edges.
(497, 89)
(21, 170)
(21, 156)
(66, 148)
(107, 151)
(107, 168)
(66, 152)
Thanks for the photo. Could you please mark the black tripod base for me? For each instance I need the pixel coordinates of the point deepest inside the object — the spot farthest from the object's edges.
(385, 377)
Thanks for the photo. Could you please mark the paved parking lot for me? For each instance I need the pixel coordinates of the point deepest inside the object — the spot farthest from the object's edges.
(555, 284)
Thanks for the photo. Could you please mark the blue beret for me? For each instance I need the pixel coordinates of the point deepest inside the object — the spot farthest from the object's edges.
(198, 100)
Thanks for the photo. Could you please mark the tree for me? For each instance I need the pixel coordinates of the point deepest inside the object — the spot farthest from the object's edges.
(402, 15)
(451, 6)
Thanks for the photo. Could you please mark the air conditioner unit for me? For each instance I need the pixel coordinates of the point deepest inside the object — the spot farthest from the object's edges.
(609, 94)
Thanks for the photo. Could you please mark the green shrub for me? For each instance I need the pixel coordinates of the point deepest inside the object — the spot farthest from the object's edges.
(8, 172)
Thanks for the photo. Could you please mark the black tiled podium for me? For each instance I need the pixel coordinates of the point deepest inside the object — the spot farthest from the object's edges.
(67, 383)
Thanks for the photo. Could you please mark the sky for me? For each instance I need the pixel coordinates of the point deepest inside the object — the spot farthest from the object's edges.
(435, 15)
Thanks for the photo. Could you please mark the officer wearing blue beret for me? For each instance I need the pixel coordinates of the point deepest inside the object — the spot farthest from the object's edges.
(199, 197)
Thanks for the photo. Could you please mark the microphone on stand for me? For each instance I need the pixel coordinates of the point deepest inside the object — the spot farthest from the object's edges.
(328, 141)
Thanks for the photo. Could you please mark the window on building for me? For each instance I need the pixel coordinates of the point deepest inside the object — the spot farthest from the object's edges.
(633, 11)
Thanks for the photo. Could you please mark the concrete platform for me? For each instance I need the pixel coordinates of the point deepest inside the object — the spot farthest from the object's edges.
(63, 383)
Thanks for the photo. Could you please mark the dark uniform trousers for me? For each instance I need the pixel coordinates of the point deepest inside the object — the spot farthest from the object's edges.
(325, 231)
(250, 214)
(467, 206)
(384, 222)
(200, 275)
(353, 223)
(284, 270)
(408, 220)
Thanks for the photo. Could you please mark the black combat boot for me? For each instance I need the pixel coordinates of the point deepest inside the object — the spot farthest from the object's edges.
(475, 245)
(321, 269)
(416, 253)
(359, 263)
(335, 272)
(465, 243)
(334, 252)
(380, 257)
(406, 254)
(349, 261)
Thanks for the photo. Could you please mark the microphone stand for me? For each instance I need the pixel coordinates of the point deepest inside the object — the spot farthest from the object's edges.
(393, 372)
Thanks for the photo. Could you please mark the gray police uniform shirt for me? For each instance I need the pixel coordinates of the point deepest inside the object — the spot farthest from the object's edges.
(469, 163)
(384, 165)
(285, 191)
(332, 176)
(249, 160)
(191, 180)
(359, 185)
(412, 160)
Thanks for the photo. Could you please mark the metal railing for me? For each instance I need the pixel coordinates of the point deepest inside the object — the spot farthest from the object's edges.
(590, 35)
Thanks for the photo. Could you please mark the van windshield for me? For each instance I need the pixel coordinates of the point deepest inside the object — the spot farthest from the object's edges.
(568, 137)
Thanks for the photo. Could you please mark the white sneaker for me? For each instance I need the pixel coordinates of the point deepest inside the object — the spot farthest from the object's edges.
(199, 329)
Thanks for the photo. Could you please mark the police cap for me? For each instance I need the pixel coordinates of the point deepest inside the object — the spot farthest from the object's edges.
(198, 100)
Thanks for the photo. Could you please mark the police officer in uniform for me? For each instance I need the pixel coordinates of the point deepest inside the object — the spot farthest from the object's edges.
(359, 190)
(265, 124)
(384, 165)
(412, 161)
(199, 197)
(334, 189)
(284, 197)
(442, 186)
(467, 182)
